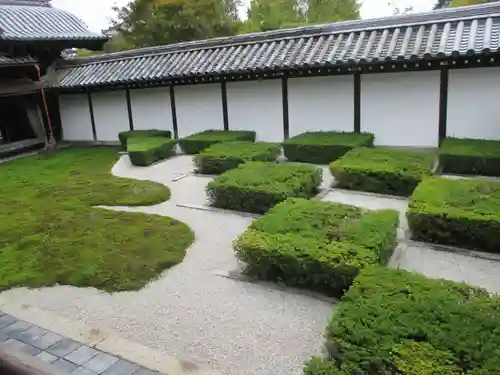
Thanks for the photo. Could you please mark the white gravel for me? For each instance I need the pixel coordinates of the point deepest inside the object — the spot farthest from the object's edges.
(191, 312)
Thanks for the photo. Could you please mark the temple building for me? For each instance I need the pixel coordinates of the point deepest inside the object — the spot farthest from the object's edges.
(32, 36)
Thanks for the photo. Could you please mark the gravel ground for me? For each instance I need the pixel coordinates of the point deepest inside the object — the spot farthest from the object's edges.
(191, 312)
(441, 264)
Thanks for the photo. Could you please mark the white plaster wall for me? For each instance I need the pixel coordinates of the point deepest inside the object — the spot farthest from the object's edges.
(321, 103)
(258, 106)
(75, 117)
(199, 107)
(111, 114)
(401, 109)
(151, 109)
(473, 103)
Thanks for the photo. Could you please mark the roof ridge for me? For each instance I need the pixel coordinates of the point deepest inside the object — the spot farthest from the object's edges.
(438, 16)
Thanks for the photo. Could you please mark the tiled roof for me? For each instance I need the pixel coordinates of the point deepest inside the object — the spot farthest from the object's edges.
(444, 33)
(10, 61)
(36, 22)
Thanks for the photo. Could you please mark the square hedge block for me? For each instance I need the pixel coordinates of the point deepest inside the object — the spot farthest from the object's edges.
(146, 151)
(398, 322)
(222, 157)
(317, 245)
(125, 136)
(324, 147)
(382, 170)
(470, 156)
(463, 213)
(257, 186)
(196, 143)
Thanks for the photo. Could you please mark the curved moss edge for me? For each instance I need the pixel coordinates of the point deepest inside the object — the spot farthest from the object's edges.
(51, 233)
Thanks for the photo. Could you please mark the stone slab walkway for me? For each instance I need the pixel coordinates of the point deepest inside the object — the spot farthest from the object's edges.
(190, 311)
(63, 353)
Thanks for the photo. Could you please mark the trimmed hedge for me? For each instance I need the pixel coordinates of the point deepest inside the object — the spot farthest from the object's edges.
(324, 147)
(470, 156)
(385, 171)
(397, 322)
(124, 136)
(464, 213)
(317, 245)
(258, 186)
(146, 151)
(222, 157)
(196, 143)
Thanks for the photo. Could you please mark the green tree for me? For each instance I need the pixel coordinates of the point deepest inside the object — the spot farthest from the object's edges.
(146, 23)
(322, 11)
(266, 15)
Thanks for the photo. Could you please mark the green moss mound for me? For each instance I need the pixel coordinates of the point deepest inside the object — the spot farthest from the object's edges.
(50, 233)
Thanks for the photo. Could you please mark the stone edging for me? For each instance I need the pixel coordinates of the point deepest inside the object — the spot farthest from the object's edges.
(219, 210)
(106, 341)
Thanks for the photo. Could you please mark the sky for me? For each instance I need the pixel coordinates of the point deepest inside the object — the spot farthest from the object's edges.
(96, 13)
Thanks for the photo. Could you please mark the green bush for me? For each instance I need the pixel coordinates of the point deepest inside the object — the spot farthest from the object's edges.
(464, 213)
(146, 151)
(124, 136)
(470, 156)
(324, 147)
(315, 244)
(385, 171)
(222, 157)
(258, 186)
(320, 366)
(196, 143)
(397, 322)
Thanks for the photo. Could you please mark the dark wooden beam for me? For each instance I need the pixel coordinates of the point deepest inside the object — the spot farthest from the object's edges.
(174, 112)
(443, 103)
(92, 117)
(286, 118)
(357, 102)
(225, 116)
(129, 110)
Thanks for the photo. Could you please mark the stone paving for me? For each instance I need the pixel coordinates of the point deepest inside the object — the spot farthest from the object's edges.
(65, 354)
(237, 327)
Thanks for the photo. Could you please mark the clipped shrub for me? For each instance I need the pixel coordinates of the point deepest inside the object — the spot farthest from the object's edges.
(321, 366)
(324, 147)
(146, 151)
(470, 156)
(381, 170)
(124, 136)
(258, 186)
(196, 143)
(464, 213)
(317, 245)
(397, 322)
(421, 358)
(222, 157)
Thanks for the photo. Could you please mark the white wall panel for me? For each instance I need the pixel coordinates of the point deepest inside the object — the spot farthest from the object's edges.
(151, 109)
(75, 117)
(473, 103)
(258, 106)
(401, 109)
(111, 114)
(321, 103)
(199, 107)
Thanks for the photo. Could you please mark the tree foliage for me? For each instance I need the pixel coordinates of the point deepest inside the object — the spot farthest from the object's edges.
(460, 3)
(264, 15)
(146, 23)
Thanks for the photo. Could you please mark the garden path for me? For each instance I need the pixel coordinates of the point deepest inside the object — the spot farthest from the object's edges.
(194, 313)
(191, 311)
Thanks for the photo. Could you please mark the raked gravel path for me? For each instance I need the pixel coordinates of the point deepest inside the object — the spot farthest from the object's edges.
(190, 311)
